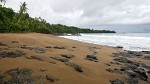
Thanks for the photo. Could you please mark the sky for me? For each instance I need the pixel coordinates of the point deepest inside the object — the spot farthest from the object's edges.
(88, 13)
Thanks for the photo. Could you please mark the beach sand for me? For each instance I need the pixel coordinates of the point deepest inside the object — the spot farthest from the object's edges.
(59, 72)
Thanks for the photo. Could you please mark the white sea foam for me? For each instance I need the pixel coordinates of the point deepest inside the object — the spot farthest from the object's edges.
(133, 42)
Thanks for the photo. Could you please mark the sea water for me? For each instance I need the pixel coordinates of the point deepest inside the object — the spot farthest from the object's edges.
(129, 41)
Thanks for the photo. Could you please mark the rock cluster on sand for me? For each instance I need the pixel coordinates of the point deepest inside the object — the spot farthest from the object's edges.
(51, 78)
(11, 54)
(65, 59)
(59, 47)
(118, 71)
(56, 47)
(60, 59)
(69, 56)
(2, 44)
(119, 47)
(117, 81)
(136, 71)
(18, 76)
(36, 57)
(146, 57)
(122, 59)
(145, 52)
(39, 50)
(130, 54)
(75, 66)
(14, 42)
(36, 49)
(91, 58)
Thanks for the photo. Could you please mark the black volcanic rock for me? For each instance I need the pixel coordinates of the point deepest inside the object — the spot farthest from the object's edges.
(20, 76)
(39, 50)
(130, 54)
(117, 81)
(11, 54)
(122, 59)
(146, 57)
(69, 56)
(146, 52)
(36, 57)
(75, 66)
(59, 47)
(2, 44)
(51, 78)
(91, 58)
(60, 59)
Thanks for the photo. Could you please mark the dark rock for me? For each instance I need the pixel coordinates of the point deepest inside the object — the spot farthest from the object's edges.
(25, 47)
(117, 81)
(134, 71)
(2, 81)
(2, 44)
(51, 78)
(115, 63)
(130, 54)
(109, 70)
(59, 47)
(130, 80)
(146, 52)
(60, 59)
(52, 62)
(94, 47)
(134, 53)
(135, 65)
(91, 58)
(95, 52)
(148, 72)
(141, 75)
(15, 42)
(36, 49)
(119, 47)
(74, 47)
(1, 49)
(75, 66)
(130, 66)
(39, 50)
(43, 70)
(122, 59)
(11, 54)
(131, 73)
(48, 47)
(20, 76)
(36, 57)
(69, 56)
(138, 74)
(118, 71)
(108, 64)
(146, 57)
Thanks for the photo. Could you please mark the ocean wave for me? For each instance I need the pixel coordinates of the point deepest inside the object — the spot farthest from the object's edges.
(129, 42)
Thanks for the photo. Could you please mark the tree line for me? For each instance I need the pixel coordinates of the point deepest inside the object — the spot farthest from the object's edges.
(18, 22)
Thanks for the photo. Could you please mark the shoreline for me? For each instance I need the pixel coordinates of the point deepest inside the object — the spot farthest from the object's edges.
(58, 60)
(128, 44)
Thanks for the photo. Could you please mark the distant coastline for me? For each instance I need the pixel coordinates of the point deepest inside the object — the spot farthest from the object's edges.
(21, 22)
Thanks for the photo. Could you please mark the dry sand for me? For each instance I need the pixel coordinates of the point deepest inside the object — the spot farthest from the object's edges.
(93, 72)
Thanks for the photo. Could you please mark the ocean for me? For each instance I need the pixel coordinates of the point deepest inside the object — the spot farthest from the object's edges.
(129, 41)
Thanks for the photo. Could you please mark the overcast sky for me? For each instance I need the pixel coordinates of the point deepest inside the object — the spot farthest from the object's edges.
(87, 13)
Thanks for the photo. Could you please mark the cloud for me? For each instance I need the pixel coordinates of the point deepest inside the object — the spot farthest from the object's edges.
(84, 13)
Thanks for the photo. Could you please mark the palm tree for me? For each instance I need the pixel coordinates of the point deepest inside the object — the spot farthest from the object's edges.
(3, 1)
(23, 10)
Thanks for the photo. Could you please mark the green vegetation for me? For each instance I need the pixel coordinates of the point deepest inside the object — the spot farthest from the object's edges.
(11, 21)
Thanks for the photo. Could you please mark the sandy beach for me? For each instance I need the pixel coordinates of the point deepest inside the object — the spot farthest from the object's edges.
(57, 60)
